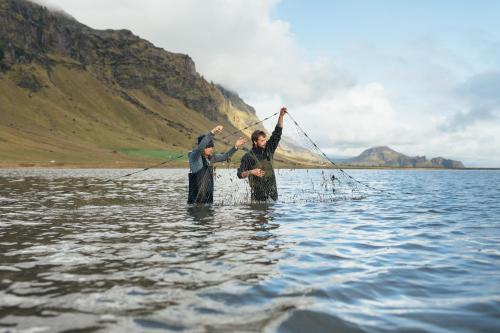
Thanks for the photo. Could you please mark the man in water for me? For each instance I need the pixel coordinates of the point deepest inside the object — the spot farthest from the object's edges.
(201, 159)
(257, 163)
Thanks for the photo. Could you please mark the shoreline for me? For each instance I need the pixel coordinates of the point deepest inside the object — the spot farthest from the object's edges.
(127, 165)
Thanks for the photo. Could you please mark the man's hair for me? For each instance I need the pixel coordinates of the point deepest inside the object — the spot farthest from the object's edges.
(256, 134)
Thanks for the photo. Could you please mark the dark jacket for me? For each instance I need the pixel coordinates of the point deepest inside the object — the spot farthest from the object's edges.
(201, 178)
(262, 158)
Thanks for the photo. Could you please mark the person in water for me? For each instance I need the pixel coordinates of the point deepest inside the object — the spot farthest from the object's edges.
(201, 159)
(257, 163)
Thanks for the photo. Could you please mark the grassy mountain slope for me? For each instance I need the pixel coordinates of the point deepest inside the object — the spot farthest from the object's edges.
(75, 96)
(76, 118)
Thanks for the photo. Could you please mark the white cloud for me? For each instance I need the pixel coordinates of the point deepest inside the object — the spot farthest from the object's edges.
(354, 119)
(238, 44)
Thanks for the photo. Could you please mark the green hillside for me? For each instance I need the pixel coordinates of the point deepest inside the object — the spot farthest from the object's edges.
(76, 119)
(71, 95)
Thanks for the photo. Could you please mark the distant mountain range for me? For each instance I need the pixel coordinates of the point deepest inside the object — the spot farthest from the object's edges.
(384, 156)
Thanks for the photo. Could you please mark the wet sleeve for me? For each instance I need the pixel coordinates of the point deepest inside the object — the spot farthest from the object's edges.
(275, 138)
(244, 165)
(224, 156)
(202, 145)
(195, 163)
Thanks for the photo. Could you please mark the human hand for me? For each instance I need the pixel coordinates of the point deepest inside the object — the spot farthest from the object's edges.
(283, 111)
(239, 142)
(257, 172)
(217, 129)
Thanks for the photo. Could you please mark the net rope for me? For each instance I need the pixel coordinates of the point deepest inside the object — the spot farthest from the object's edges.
(326, 182)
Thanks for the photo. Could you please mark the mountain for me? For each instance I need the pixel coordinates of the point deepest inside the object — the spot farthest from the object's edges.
(386, 157)
(73, 95)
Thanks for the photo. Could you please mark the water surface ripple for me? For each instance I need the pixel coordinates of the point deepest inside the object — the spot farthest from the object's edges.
(424, 256)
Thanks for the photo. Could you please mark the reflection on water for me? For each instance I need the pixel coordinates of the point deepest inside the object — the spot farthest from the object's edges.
(132, 256)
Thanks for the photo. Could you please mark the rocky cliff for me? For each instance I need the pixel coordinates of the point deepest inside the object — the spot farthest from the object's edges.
(386, 157)
(73, 94)
(30, 33)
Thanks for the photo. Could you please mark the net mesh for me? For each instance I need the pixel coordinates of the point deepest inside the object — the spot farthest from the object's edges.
(324, 182)
(318, 179)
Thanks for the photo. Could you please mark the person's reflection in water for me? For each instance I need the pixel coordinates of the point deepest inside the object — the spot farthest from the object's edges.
(262, 216)
(201, 213)
(254, 222)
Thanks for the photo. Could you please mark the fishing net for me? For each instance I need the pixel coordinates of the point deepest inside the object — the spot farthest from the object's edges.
(316, 179)
(309, 176)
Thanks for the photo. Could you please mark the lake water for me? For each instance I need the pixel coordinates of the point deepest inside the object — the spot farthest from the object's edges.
(130, 255)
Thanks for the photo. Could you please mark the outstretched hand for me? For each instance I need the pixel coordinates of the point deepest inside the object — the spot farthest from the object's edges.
(240, 142)
(217, 129)
(283, 111)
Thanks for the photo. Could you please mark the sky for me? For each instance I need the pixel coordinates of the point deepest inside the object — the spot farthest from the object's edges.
(422, 77)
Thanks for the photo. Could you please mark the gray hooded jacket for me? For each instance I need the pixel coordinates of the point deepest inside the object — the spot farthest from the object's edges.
(196, 157)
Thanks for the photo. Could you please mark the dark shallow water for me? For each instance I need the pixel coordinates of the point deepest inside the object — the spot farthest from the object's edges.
(131, 256)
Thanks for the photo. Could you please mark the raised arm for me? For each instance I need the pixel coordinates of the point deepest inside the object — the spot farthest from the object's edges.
(206, 139)
(283, 111)
(275, 138)
(230, 152)
(224, 156)
(204, 142)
